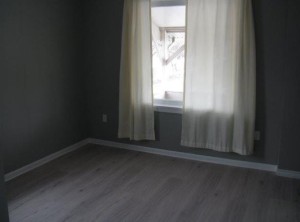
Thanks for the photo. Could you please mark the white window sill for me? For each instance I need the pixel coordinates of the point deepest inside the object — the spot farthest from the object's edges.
(168, 106)
(168, 109)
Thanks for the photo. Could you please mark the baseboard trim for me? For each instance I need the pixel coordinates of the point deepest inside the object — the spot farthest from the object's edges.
(189, 156)
(208, 159)
(288, 173)
(11, 175)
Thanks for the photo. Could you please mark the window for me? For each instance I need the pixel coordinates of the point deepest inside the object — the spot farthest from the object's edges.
(218, 69)
(168, 52)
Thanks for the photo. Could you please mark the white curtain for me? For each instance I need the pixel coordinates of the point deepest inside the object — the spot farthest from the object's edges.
(136, 113)
(219, 106)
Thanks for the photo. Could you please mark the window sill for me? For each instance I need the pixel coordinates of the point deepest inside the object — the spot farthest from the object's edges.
(168, 109)
(168, 106)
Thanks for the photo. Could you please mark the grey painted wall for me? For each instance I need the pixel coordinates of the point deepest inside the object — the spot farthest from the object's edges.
(42, 103)
(3, 204)
(290, 145)
(103, 45)
(53, 66)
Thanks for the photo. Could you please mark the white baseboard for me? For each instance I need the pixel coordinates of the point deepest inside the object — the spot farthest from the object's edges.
(189, 156)
(169, 153)
(288, 173)
(40, 162)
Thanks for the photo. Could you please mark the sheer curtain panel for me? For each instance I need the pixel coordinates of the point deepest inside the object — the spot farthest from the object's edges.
(136, 113)
(219, 106)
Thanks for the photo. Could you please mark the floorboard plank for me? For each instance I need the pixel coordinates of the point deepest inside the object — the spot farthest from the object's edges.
(107, 184)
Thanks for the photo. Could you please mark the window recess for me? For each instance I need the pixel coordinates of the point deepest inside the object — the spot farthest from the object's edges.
(168, 52)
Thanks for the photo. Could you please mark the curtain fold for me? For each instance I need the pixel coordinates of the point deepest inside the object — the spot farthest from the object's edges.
(136, 113)
(219, 100)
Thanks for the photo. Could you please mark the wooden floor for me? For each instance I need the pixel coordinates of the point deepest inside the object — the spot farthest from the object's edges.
(106, 184)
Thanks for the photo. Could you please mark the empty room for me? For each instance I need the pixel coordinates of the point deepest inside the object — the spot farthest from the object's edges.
(149, 110)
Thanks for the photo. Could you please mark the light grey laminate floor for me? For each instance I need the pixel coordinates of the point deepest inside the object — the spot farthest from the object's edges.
(106, 184)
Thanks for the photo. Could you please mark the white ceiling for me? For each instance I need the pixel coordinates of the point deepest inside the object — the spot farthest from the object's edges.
(173, 16)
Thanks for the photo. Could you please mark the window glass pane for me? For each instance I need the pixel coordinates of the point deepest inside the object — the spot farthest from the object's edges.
(168, 48)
